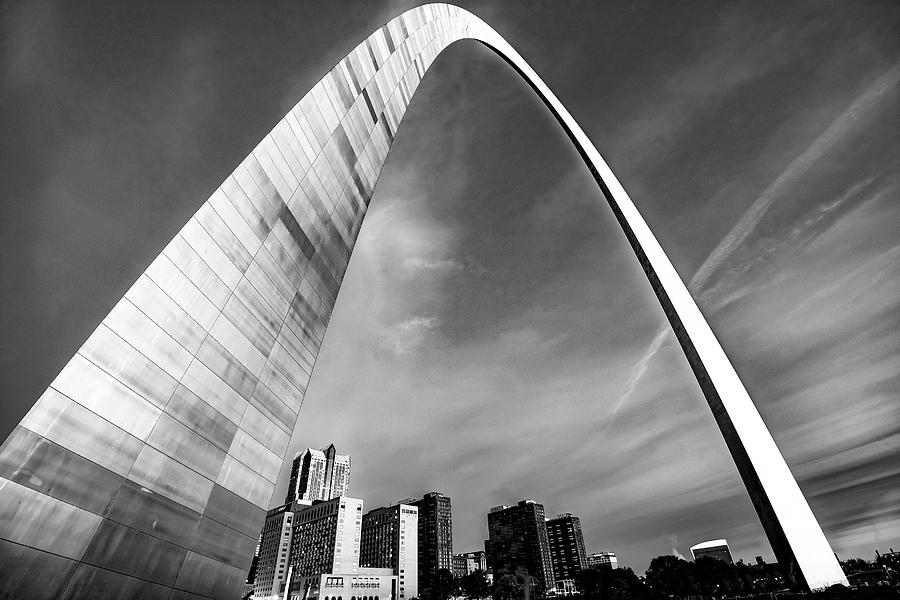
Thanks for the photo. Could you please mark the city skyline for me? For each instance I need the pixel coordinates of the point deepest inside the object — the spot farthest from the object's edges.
(404, 330)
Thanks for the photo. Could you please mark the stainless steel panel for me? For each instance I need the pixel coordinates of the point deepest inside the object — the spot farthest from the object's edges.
(148, 338)
(170, 478)
(245, 482)
(227, 367)
(187, 447)
(118, 358)
(154, 514)
(96, 390)
(254, 455)
(208, 577)
(72, 426)
(31, 574)
(171, 317)
(195, 268)
(132, 552)
(191, 410)
(218, 394)
(32, 518)
(37, 463)
(100, 584)
(227, 507)
(263, 429)
(215, 540)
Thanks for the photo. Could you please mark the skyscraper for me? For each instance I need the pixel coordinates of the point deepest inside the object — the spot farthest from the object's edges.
(566, 546)
(389, 539)
(319, 475)
(718, 549)
(273, 558)
(435, 537)
(518, 542)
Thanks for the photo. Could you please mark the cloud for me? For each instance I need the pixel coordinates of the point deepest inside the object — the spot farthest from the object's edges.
(839, 129)
(408, 335)
(843, 125)
(732, 283)
(639, 370)
(465, 268)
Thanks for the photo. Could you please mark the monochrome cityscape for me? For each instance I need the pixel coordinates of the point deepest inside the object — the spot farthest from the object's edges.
(667, 372)
(326, 545)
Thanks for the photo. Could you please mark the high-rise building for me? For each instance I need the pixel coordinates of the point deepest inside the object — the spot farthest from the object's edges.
(605, 560)
(518, 542)
(566, 546)
(326, 539)
(389, 539)
(435, 537)
(338, 473)
(273, 552)
(319, 475)
(718, 549)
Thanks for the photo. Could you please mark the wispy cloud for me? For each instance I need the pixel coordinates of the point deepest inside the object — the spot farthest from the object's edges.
(837, 131)
(845, 123)
(408, 335)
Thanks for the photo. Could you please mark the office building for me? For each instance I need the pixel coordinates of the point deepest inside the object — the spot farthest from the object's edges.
(603, 560)
(389, 540)
(319, 475)
(717, 549)
(566, 546)
(326, 539)
(469, 562)
(459, 565)
(435, 537)
(273, 552)
(518, 544)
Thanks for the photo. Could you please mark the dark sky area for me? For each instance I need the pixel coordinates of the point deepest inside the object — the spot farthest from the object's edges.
(495, 338)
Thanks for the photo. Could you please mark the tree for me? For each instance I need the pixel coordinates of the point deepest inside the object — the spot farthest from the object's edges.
(508, 588)
(855, 565)
(623, 584)
(475, 585)
(444, 585)
(590, 583)
(670, 576)
(610, 584)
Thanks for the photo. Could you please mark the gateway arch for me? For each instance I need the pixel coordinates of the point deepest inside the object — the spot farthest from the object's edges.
(146, 467)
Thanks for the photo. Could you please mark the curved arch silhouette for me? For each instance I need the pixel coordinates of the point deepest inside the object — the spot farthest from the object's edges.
(151, 459)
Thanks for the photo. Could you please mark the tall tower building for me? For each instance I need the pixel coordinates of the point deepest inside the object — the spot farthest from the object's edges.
(566, 546)
(319, 475)
(518, 544)
(389, 540)
(326, 539)
(273, 553)
(435, 537)
(338, 480)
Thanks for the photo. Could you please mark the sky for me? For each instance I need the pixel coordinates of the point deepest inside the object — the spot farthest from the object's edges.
(495, 338)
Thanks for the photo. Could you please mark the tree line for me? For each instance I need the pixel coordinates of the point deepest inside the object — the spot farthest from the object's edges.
(668, 577)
